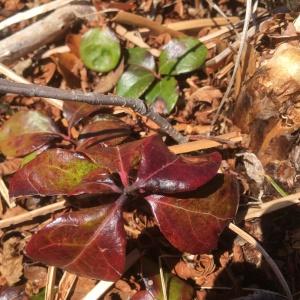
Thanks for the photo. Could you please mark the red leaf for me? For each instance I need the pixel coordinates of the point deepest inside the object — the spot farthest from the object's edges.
(89, 243)
(121, 159)
(143, 295)
(193, 224)
(58, 171)
(161, 171)
(75, 112)
(105, 131)
(25, 132)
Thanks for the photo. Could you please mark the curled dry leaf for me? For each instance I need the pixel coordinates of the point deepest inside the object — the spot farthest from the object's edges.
(11, 260)
(25, 132)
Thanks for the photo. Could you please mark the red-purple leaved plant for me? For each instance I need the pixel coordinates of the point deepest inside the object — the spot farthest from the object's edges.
(92, 242)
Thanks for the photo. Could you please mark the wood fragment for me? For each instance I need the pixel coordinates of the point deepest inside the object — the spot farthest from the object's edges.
(200, 23)
(33, 214)
(42, 32)
(51, 276)
(252, 241)
(271, 206)
(205, 143)
(133, 19)
(33, 12)
(103, 286)
(65, 286)
(5, 194)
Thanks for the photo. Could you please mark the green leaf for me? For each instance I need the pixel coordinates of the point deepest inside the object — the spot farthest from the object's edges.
(164, 93)
(39, 296)
(141, 57)
(134, 82)
(100, 50)
(182, 56)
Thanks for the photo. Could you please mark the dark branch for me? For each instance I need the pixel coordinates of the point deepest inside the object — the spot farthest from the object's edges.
(33, 90)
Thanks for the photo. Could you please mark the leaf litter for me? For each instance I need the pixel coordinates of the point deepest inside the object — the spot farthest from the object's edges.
(91, 159)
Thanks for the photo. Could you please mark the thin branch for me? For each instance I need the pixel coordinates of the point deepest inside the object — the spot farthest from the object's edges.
(238, 58)
(251, 240)
(17, 78)
(34, 90)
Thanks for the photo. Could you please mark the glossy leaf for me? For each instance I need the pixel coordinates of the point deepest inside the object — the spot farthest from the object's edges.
(100, 49)
(193, 224)
(161, 171)
(176, 289)
(141, 57)
(123, 159)
(104, 130)
(89, 243)
(134, 82)
(163, 95)
(75, 112)
(25, 132)
(58, 171)
(182, 56)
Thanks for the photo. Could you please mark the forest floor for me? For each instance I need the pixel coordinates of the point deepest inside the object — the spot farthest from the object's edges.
(232, 101)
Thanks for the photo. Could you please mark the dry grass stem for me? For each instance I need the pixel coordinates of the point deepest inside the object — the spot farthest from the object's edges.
(5, 194)
(244, 37)
(133, 19)
(200, 23)
(33, 12)
(233, 137)
(51, 276)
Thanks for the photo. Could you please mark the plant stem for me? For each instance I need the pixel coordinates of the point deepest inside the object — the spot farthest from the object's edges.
(137, 105)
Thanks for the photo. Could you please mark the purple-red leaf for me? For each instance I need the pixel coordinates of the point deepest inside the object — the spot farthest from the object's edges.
(58, 171)
(89, 243)
(193, 224)
(161, 171)
(104, 130)
(25, 132)
(75, 112)
(122, 159)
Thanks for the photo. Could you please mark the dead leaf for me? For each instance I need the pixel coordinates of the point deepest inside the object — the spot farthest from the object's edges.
(11, 260)
(10, 166)
(73, 41)
(108, 82)
(254, 168)
(69, 66)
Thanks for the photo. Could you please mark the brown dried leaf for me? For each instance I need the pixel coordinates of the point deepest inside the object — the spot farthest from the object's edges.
(11, 260)
(10, 166)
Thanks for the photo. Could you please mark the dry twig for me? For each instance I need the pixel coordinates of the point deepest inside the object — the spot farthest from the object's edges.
(33, 90)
